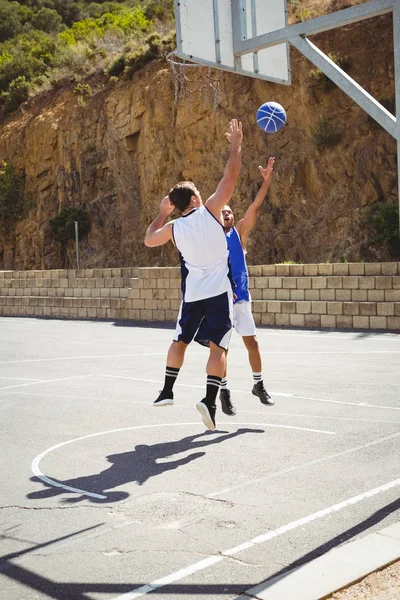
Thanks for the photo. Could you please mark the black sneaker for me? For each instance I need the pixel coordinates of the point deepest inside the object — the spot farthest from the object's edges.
(164, 399)
(207, 414)
(226, 404)
(260, 391)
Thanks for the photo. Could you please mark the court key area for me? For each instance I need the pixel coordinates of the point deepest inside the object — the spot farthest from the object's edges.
(105, 497)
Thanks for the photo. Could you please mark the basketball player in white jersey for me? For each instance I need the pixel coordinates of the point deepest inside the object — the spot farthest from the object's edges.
(206, 287)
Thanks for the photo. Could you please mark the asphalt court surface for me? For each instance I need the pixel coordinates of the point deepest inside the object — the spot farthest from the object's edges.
(105, 497)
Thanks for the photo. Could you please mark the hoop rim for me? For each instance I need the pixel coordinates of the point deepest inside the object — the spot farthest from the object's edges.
(185, 62)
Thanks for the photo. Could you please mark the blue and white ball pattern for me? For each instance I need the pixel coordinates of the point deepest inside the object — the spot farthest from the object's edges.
(271, 117)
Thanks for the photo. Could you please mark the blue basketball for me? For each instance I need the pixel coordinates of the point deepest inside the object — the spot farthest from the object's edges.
(271, 117)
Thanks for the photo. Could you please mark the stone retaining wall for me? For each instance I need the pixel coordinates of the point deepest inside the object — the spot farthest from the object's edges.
(343, 295)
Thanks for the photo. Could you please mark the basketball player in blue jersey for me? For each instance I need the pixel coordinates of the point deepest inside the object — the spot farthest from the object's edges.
(206, 287)
(243, 321)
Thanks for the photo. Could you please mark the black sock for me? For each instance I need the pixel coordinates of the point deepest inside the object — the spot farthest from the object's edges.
(213, 385)
(170, 377)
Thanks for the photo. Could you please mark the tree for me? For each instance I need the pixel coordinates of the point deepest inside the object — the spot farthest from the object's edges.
(47, 20)
(10, 24)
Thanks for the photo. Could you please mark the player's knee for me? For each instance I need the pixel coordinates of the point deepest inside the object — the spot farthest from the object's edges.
(251, 342)
(216, 351)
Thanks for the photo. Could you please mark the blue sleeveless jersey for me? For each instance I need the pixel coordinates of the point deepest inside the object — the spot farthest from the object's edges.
(238, 266)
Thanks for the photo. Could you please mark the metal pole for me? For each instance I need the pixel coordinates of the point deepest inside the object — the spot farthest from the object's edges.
(77, 244)
(396, 48)
(346, 83)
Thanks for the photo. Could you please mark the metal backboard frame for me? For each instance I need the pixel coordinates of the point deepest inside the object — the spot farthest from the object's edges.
(297, 36)
(241, 22)
(204, 33)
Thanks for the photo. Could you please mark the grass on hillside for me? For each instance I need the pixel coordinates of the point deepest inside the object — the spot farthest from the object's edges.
(46, 42)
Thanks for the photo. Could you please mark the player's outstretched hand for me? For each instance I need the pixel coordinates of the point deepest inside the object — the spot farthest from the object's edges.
(269, 168)
(235, 133)
(166, 207)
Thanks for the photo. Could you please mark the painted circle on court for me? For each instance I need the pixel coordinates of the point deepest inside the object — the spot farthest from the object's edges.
(36, 461)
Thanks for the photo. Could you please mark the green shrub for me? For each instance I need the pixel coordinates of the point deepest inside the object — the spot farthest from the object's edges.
(381, 220)
(325, 133)
(70, 10)
(16, 94)
(83, 92)
(131, 62)
(126, 22)
(73, 57)
(81, 31)
(137, 59)
(47, 19)
(63, 225)
(168, 43)
(10, 24)
(13, 201)
(318, 79)
(154, 43)
(96, 10)
(159, 9)
(27, 56)
(116, 66)
(18, 65)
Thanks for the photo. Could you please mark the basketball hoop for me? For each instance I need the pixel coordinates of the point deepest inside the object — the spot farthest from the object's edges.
(202, 81)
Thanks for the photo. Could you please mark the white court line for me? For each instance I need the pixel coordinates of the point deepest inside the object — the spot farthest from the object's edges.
(359, 404)
(305, 464)
(181, 384)
(296, 379)
(338, 351)
(32, 360)
(352, 336)
(185, 407)
(9, 387)
(36, 461)
(21, 379)
(212, 560)
(291, 396)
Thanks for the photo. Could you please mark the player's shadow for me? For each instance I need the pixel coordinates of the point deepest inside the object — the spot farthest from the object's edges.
(138, 466)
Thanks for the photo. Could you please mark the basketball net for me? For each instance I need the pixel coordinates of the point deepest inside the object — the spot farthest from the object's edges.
(192, 81)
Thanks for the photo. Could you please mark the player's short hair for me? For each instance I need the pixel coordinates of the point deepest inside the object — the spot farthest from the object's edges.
(181, 194)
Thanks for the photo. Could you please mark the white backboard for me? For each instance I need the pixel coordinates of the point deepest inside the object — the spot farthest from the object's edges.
(204, 32)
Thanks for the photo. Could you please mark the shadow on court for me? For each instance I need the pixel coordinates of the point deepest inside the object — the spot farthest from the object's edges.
(79, 591)
(138, 465)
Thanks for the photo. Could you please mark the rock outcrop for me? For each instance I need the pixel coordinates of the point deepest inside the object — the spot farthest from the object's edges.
(119, 154)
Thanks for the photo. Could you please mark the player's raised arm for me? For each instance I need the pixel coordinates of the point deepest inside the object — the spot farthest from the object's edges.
(160, 233)
(224, 191)
(249, 220)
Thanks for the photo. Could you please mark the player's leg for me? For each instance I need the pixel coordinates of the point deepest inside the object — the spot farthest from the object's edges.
(243, 324)
(217, 328)
(224, 392)
(215, 368)
(255, 361)
(175, 358)
(187, 324)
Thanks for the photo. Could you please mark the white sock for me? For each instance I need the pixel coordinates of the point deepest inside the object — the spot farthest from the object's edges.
(224, 383)
(257, 377)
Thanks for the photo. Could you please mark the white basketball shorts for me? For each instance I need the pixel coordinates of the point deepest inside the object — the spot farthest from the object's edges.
(243, 321)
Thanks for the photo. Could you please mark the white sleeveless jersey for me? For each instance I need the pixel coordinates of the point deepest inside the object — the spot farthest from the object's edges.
(201, 240)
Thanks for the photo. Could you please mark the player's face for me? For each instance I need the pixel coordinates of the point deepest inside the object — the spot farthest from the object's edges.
(228, 218)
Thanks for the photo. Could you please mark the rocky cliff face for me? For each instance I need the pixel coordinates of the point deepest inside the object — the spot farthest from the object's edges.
(120, 153)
